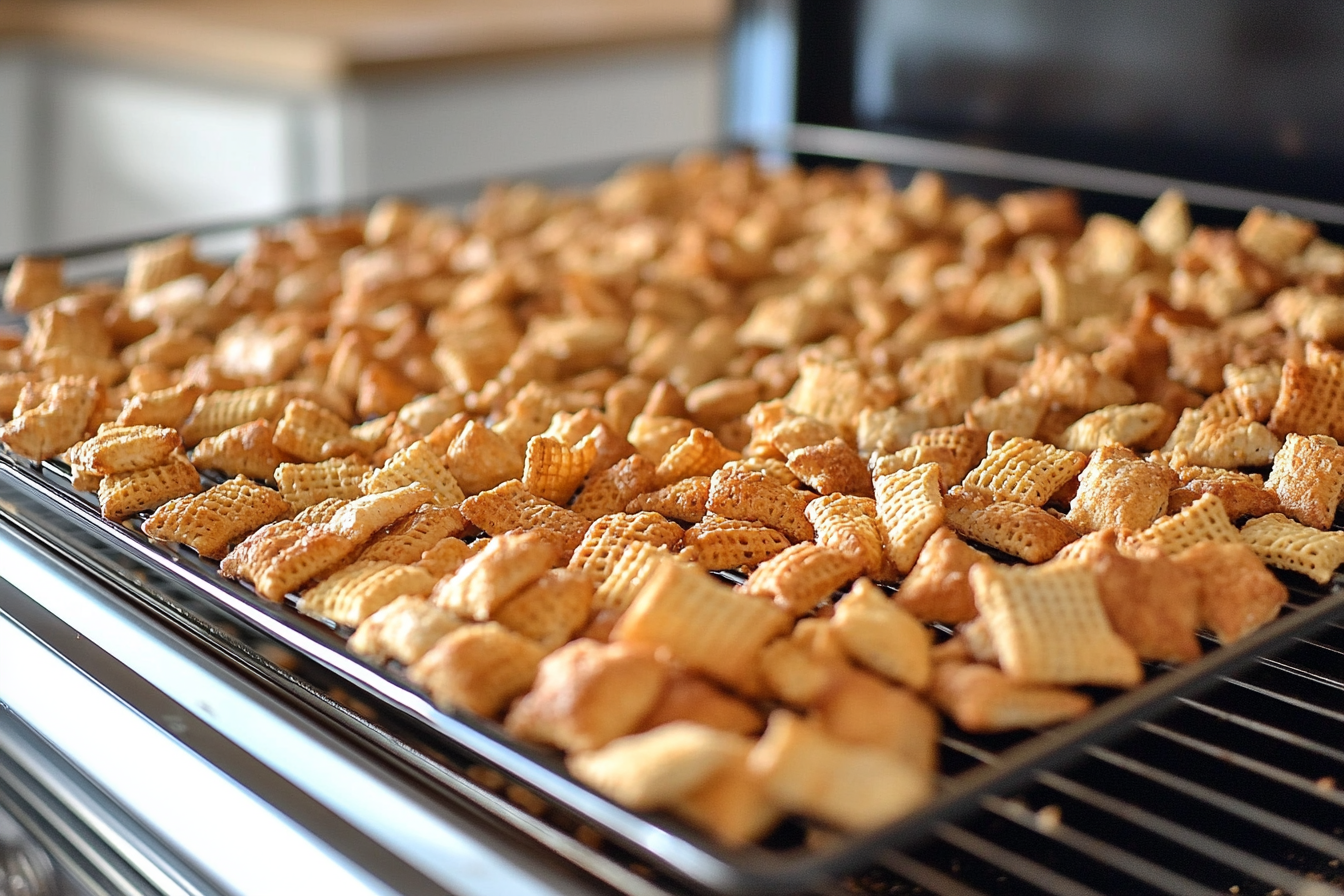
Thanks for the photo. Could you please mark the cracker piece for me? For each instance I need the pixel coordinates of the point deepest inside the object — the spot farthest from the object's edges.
(312, 433)
(551, 610)
(1307, 478)
(312, 556)
(759, 498)
(698, 454)
(863, 709)
(1241, 497)
(1071, 380)
(1025, 471)
(889, 429)
(967, 444)
(1204, 520)
(1254, 389)
(222, 410)
(355, 593)
(773, 467)
(33, 282)
(685, 500)
(717, 543)
(1049, 626)
(1152, 603)
(124, 494)
(852, 787)
(448, 555)
(938, 589)
(209, 522)
(248, 559)
(1274, 237)
(404, 630)
(479, 668)
(982, 699)
(304, 485)
(802, 576)
(1237, 594)
(480, 459)
(802, 668)
(609, 537)
(587, 694)
(1310, 401)
(1017, 411)
(612, 489)
(1118, 490)
(690, 698)
(1227, 442)
(248, 450)
(416, 464)
(849, 524)
(553, 470)
(654, 436)
(831, 468)
(125, 449)
(654, 769)
(705, 625)
(917, 456)
(362, 518)
(505, 566)
(731, 804)
(321, 513)
(1022, 530)
(407, 539)
(169, 406)
(834, 392)
(910, 509)
(798, 431)
(1286, 544)
(1128, 424)
(877, 633)
(510, 506)
(150, 265)
(55, 422)
(1104, 542)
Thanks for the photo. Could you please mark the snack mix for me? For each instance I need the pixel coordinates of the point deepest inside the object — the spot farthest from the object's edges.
(504, 453)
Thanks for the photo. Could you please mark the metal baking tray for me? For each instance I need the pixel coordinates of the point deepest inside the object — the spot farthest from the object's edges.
(307, 660)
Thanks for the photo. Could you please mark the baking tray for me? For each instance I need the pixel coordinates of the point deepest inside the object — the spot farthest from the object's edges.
(307, 660)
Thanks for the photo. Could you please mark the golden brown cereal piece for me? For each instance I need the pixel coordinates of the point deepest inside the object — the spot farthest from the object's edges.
(150, 265)
(1152, 603)
(938, 589)
(1072, 380)
(760, 498)
(257, 550)
(917, 456)
(448, 555)
(802, 576)
(551, 610)
(877, 633)
(209, 522)
(1019, 529)
(404, 630)
(1307, 478)
(798, 431)
(910, 509)
(304, 485)
(1237, 594)
(313, 555)
(1310, 402)
(125, 449)
(967, 444)
(1274, 237)
(1049, 626)
(689, 698)
(852, 787)
(1025, 471)
(552, 470)
(479, 668)
(981, 699)
(510, 506)
(587, 694)
(1118, 490)
(123, 494)
(698, 454)
(321, 513)
(612, 489)
(1128, 424)
(33, 282)
(1104, 542)
(1254, 389)
(889, 429)
(416, 464)
(654, 769)
(611, 536)
(831, 467)
(731, 804)
(248, 450)
(407, 540)
(374, 435)
(773, 467)
(68, 332)
(1227, 442)
(361, 519)
(685, 500)
(355, 593)
(219, 411)
(1166, 225)
(705, 625)
(849, 524)
(53, 422)
(480, 459)
(720, 543)
(505, 566)
(833, 392)
(1285, 544)
(169, 406)
(1017, 412)
(1241, 498)
(653, 436)
(312, 433)
(1204, 520)
(863, 709)
(802, 667)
